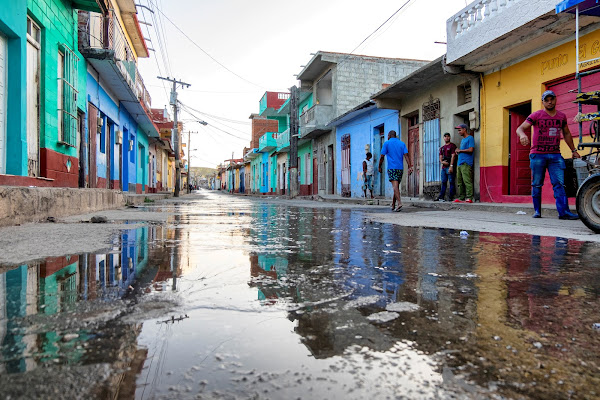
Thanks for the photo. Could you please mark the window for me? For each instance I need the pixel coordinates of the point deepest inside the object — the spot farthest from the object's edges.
(464, 93)
(67, 95)
(283, 96)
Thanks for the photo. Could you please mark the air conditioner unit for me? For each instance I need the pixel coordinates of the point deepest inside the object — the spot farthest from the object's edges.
(100, 122)
(118, 137)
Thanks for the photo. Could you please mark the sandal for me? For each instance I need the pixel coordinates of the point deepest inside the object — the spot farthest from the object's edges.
(398, 209)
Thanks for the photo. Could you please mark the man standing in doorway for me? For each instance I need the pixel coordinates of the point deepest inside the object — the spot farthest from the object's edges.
(464, 175)
(368, 174)
(548, 124)
(447, 160)
(396, 150)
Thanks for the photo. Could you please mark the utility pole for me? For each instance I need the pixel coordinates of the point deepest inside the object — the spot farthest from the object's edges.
(293, 169)
(175, 132)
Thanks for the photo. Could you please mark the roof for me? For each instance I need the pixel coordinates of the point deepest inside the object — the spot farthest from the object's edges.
(322, 60)
(355, 112)
(423, 78)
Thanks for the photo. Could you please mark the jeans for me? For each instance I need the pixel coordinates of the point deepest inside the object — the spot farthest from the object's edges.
(464, 181)
(447, 177)
(555, 165)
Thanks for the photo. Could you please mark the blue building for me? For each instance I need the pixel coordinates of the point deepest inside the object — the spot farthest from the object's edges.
(360, 130)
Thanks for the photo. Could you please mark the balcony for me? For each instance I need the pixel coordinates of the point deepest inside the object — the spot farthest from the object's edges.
(313, 121)
(283, 141)
(267, 142)
(102, 41)
(488, 33)
(251, 154)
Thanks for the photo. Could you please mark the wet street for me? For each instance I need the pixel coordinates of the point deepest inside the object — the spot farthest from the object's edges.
(239, 297)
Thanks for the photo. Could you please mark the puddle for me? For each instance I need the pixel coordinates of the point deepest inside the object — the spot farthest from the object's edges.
(261, 300)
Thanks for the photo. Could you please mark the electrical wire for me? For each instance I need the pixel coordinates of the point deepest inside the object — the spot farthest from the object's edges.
(206, 53)
(215, 127)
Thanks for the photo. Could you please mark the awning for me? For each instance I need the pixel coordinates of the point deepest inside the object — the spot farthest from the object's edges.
(586, 7)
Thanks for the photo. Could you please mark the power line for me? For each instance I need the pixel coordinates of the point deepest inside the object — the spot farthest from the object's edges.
(206, 53)
(217, 122)
(217, 117)
(215, 127)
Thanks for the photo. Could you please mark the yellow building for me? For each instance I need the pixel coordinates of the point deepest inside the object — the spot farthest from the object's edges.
(520, 51)
(509, 95)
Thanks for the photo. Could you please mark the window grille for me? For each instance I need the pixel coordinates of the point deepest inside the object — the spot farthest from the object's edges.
(431, 139)
(67, 90)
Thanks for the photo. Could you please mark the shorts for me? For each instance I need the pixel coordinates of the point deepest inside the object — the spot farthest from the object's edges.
(368, 183)
(395, 174)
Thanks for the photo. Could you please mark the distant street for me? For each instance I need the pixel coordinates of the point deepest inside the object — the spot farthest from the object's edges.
(220, 296)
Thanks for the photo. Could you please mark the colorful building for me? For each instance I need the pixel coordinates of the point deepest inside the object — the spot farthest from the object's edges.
(531, 49)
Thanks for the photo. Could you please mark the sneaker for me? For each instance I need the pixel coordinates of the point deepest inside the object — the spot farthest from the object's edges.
(458, 201)
(468, 201)
(441, 200)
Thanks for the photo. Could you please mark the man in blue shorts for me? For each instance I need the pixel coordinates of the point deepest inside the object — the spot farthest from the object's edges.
(395, 150)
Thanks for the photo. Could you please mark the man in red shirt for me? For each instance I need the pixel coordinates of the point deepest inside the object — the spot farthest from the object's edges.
(448, 175)
(548, 125)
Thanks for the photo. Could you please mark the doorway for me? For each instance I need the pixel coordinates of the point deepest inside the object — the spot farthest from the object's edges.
(3, 104)
(519, 173)
(33, 96)
(330, 170)
(380, 140)
(83, 159)
(346, 191)
(92, 133)
(413, 153)
(315, 176)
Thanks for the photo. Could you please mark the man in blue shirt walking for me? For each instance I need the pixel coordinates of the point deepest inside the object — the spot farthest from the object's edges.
(396, 150)
(464, 175)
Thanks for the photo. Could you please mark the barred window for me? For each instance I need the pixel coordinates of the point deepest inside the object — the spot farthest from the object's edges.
(67, 95)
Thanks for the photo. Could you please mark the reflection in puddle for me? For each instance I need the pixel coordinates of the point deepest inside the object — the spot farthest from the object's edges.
(284, 302)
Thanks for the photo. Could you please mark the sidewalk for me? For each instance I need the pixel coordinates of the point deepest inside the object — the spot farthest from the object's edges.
(19, 204)
(548, 210)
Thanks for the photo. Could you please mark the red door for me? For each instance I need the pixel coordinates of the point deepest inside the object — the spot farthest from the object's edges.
(520, 173)
(413, 151)
(566, 91)
(315, 176)
(92, 132)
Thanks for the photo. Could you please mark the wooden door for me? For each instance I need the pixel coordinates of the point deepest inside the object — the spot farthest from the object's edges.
(345, 172)
(519, 171)
(83, 159)
(33, 98)
(92, 133)
(315, 176)
(413, 151)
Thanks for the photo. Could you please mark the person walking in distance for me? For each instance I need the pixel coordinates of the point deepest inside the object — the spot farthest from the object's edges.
(447, 161)
(395, 150)
(368, 174)
(548, 125)
(464, 175)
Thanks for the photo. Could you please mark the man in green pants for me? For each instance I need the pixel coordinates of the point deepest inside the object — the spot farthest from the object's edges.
(464, 175)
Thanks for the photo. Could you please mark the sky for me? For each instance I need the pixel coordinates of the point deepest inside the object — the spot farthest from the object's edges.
(232, 51)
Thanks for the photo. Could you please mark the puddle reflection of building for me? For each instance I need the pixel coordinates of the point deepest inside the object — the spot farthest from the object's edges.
(265, 271)
(54, 286)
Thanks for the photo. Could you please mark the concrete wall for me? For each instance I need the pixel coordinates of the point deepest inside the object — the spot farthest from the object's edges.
(19, 205)
(357, 78)
(452, 114)
(13, 26)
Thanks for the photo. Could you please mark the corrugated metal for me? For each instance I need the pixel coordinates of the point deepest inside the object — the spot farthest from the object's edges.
(431, 148)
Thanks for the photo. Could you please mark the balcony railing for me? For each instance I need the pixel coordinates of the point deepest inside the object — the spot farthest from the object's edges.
(477, 12)
(267, 142)
(484, 21)
(283, 141)
(315, 119)
(103, 38)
